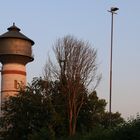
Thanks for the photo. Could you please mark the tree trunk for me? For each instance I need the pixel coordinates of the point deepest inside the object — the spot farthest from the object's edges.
(74, 126)
(70, 119)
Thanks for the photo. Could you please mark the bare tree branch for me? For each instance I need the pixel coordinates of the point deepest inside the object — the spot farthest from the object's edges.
(76, 69)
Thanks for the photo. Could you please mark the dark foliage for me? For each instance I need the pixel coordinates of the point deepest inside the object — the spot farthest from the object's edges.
(40, 112)
(27, 112)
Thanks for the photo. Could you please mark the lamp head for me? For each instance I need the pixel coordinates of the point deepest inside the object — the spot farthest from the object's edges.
(113, 9)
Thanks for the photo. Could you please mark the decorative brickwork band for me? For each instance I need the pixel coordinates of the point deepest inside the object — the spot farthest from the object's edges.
(13, 72)
(10, 91)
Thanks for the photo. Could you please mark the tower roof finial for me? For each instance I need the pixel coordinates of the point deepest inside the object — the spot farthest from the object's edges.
(13, 23)
(13, 28)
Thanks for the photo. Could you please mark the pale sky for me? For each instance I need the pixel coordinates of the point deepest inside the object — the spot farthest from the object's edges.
(46, 20)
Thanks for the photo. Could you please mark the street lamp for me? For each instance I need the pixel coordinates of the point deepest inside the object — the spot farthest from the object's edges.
(112, 11)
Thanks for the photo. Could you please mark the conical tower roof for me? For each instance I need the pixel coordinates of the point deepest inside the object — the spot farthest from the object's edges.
(14, 32)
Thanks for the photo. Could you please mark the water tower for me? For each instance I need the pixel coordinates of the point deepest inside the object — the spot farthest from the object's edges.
(15, 53)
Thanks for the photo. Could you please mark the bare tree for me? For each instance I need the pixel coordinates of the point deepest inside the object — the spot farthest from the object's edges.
(76, 70)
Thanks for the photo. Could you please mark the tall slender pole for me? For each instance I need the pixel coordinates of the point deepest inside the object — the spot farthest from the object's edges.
(110, 89)
(112, 11)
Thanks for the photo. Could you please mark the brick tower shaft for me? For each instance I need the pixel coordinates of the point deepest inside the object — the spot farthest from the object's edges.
(13, 79)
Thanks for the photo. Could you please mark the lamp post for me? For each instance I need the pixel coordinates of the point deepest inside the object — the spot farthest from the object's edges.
(112, 11)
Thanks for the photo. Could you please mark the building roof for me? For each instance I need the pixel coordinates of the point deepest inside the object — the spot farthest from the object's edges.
(14, 32)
